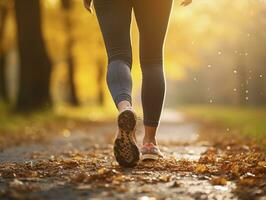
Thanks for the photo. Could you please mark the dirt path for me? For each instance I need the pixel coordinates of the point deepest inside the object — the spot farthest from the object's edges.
(79, 165)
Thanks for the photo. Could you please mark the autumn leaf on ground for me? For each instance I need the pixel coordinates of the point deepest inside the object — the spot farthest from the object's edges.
(200, 169)
(218, 181)
(247, 181)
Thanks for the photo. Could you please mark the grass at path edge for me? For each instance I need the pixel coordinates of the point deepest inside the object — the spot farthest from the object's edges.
(250, 121)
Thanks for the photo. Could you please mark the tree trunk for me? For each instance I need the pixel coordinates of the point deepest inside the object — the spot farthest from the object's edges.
(72, 93)
(100, 79)
(35, 65)
(3, 89)
(73, 99)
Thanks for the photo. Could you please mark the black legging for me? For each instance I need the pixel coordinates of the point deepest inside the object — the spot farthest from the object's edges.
(152, 17)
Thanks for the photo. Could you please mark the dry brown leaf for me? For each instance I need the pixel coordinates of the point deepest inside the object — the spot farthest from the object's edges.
(201, 168)
(102, 171)
(16, 184)
(262, 164)
(80, 177)
(218, 181)
(122, 189)
(247, 181)
(235, 170)
(165, 178)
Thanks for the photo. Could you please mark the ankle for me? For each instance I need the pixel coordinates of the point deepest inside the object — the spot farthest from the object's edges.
(149, 140)
(124, 105)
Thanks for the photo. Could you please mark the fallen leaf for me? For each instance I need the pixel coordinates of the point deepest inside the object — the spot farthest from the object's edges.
(102, 171)
(16, 184)
(262, 164)
(165, 178)
(247, 181)
(218, 181)
(200, 169)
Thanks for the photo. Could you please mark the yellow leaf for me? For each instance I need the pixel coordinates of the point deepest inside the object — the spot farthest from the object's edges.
(201, 169)
(218, 181)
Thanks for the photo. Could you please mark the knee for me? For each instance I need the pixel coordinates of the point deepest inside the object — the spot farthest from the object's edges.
(121, 57)
(151, 54)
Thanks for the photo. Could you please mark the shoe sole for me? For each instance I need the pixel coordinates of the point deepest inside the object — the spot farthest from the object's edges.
(125, 149)
(147, 157)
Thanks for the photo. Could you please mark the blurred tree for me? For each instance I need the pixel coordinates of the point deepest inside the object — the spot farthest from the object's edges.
(35, 65)
(67, 6)
(3, 17)
(100, 80)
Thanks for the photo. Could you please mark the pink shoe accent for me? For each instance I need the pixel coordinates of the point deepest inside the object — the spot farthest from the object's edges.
(149, 151)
